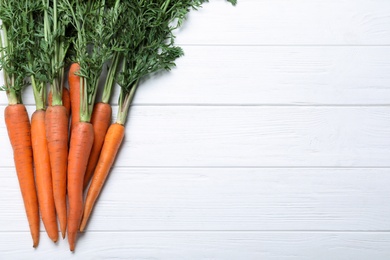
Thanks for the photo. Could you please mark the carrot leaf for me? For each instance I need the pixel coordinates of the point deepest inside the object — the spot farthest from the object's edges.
(95, 23)
(150, 25)
(14, 44)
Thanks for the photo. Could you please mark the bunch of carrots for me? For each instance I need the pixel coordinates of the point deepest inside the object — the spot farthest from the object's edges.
(63, 156)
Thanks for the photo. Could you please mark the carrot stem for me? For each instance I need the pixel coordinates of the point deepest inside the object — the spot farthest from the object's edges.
(110, 80)
(125, 100)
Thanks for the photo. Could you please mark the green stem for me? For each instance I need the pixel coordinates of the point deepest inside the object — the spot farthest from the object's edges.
(12, 97)
(39, 93)
(165, 5)
(46, 20)
(8, 82)
(125, 100)
(110, 80)
(56, 94)
(85, 111)
(56, 47)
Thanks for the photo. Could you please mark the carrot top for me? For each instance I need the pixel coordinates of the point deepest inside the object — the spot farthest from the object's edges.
(150, 25)
(14, 44)
(111, 76)
(96, 24)
(54, 42)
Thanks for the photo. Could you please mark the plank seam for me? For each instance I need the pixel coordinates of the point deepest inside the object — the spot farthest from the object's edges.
(244, 105)
(219, 231)
(237, 167)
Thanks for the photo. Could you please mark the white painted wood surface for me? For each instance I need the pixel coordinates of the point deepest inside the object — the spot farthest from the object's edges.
(270, 140)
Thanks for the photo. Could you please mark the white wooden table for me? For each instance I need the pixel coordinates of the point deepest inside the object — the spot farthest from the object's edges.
(270, 140)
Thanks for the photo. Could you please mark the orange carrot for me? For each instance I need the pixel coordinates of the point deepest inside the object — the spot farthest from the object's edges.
(19, 132)
(56, 124)
(110, 148)
(91, 59)
(80, 147)
(65, 99)
(43, 174)
(101, 119)
(74, 91)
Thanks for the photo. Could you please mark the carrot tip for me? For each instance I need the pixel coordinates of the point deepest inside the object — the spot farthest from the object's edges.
(54, 237)
(82, 228)
(63, 234)
(35, 243)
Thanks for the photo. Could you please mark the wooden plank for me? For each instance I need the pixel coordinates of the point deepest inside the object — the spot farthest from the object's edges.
(204, 245)
(268, 75)
(200, 199)
(249, 136)
(273, 75)
(281, 22)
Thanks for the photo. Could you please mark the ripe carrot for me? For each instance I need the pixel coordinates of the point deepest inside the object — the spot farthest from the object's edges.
(80, 147)
(65, 99)
(19, 132)
(56, 124)
(74, 91)
(110, 148)
(101, 119)
(43, 174)
(91, 59)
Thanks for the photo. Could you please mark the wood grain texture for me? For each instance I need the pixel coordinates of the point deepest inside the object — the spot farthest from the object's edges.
(250, 136)
(268, 75)
(270, 140)
(206, 245)
(229, 199)
(285, 22)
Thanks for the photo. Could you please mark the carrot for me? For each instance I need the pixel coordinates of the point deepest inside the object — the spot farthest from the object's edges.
(65, 99)
(74, 91)
(111, 145)
(101, 119)
(43, 174)
(19, 132)
(146, 53)
(56, 124)
(80, 146)
(91, 58)
(57, 121)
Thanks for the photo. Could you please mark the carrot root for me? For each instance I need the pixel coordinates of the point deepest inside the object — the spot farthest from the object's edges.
(101, 119)
(80, 147)
(112, 142)
(74, 92)
(57, 140)
(43, 174)
(19, 132)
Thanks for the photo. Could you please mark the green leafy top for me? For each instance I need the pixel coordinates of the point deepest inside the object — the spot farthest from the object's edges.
(149, 25)
(15, 42)
(47, 56)
(95, 23)
(37, 66)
